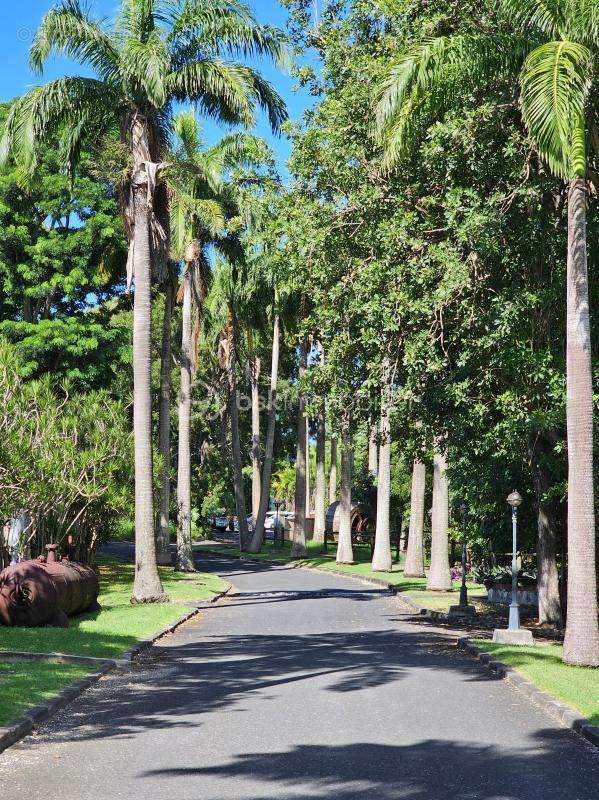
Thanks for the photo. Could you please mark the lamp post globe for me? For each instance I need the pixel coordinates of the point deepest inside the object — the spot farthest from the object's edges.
(514, 499)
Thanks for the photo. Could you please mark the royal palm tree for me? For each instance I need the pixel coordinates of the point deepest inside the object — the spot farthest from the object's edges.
(439, 575)
(320, 487)
(298, 549)
(205, 202)
(345, 553)
(414, 564)
(158, 52)
(381, 558)
(267, 464)
(163, 553)
(333, 470)
(552, 50)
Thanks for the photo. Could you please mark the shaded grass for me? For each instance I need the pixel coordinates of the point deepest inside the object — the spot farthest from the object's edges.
(118, 625)
(576, 686)
(25, 684)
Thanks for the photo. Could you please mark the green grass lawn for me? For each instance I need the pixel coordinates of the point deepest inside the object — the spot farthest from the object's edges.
(576, 686)
(28, 683)
(105, 633)
(414, 587)
(118, 625)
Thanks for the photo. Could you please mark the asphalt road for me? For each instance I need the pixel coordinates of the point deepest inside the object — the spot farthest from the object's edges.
(301, 686)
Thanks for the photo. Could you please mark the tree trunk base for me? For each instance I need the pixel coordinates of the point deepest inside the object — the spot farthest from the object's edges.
(414, 574)
(299, 552)
(439, 587)
(161, 598)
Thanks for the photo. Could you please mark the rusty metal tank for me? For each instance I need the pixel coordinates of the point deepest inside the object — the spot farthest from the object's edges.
(46, 591)
(361, 517)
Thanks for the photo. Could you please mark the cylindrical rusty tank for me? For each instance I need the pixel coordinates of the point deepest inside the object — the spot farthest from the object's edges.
(361, 518)
(37, 593)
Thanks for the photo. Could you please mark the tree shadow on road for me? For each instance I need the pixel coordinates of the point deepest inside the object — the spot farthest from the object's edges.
(174, 685)
(431, 769)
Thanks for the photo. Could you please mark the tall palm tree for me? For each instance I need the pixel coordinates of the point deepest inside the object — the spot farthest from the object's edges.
(382, 560)
(333, 470)
(258, 534)
(345, 553)
(203, 197)
(298, 549)
(414, 564)
(254, 367)
(158, 53)
(320, 484)
(439, 576)
(552, 50)
(373, 448)
(163, 554)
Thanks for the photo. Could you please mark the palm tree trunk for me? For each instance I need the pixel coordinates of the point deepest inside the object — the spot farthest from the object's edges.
(345, 553)
(372, 449)
(320, 488)
(439, 576)
(184, 543)
(333, 471)
(147, 587)
(258, 535)
(163, 552)
(581, 644)
(547, 573)
(235, 441)
(308, 465)
(414, 564)
(298, 549)
(255, 393)
(382, 560)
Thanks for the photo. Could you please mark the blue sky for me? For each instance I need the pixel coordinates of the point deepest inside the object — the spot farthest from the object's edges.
(19, 21)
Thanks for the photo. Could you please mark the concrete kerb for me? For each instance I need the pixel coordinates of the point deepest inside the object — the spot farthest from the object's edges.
(24, 725)
(564, 714)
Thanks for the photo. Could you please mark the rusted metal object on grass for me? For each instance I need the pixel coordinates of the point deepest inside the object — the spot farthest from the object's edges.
(46, 591)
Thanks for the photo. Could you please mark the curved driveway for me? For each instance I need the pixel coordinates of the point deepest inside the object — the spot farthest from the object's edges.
(301, 686)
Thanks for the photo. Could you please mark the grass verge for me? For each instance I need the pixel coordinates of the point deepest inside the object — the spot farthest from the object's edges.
(576, 686)
(118, 625)
(25, 684)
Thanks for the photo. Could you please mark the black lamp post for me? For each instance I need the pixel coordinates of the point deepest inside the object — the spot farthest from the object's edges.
(278, 504)
(463, 588)
(463, 609)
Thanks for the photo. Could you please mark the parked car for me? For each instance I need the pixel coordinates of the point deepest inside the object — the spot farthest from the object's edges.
(221, 522)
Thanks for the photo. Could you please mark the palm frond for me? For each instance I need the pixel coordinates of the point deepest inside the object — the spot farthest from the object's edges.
(136, 19)
(224, 28)
(68, 30)
(555, 84)
(145, 65)
(549, 16)
(226, 92)
(193, 218)
(187, 130)
(239, 150)
(58, 109)
(444, 67)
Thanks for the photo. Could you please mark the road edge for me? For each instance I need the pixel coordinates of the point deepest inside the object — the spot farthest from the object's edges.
(28, 722)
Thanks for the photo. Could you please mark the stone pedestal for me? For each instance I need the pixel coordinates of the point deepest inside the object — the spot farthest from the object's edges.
(521, 637)
(461, 611)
